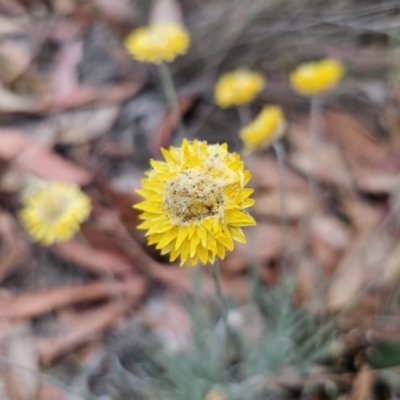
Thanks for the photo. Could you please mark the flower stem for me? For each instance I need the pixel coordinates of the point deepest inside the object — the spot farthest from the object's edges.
(314, 119)
(218, 291)
(244, 114)
(280, 156)
(195, 278)
(312, 173)
(172, 97)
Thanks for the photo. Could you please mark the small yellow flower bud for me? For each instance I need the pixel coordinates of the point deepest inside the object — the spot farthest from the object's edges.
(316, 77)
(267, 127)
(237, 88)
(158, 42)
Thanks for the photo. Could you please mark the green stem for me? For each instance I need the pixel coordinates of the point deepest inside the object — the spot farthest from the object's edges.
(218, 291)
(312, 174)
(244, 114)
(195, 278)
(172, 97)
(280, 156)
(314, 120)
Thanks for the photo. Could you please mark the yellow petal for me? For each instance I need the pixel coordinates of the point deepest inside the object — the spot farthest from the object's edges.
(167, 238)
(182, 234)
(203, 254)
(237, 234)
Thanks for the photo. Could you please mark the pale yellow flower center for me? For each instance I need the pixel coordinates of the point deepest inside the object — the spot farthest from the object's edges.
(156, 38)
(193, 196)
(52, 208)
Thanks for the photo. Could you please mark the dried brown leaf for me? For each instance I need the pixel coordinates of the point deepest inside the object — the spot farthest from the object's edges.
(29, 305)
(11, 102)
(15, 57)
(22, 150)
(122, 201)
(23, 365)
(87, 95)
(11, 26)
(270, 205)
(65, 78)
(63, 7)
(329, 240)
(79, 126)
(266, 175)
(328, 163)
(49, 392)
(363, 216)
(163, 133)
(374, 179)
(359, 266)
(84, 327)
(354, 139)
(14, 249)
(118, 10)
(264, 243)
(95, 259)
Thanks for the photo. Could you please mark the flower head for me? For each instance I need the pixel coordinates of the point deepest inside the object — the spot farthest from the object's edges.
(316, 77)
(238, 87)
(53, 211)
(267, 127)
(158, 42)
(215, 394)
(194, 202)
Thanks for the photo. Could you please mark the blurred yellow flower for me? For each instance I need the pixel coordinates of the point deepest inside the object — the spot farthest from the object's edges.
(238, 87)
(215, 394)
(316, 77)
(267, 127)
(158, 42)
(53, 211)
(194, 202)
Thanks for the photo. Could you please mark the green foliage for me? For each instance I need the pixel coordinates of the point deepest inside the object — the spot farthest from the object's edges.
(384, 355)
(291, 342)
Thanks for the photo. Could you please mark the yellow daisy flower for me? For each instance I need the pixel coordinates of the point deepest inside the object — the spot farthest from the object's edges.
(267, 127)
(316, 77)
(53, 211)
(158, 42)
(238, 87)
(194, 202)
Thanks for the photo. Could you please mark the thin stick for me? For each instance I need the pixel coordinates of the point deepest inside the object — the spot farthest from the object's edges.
(218, 290)
(280, 156)
(172, 97)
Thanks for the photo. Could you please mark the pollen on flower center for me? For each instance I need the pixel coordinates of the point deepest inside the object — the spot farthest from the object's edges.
(193, 196)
